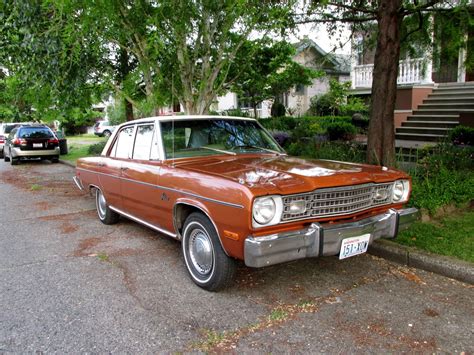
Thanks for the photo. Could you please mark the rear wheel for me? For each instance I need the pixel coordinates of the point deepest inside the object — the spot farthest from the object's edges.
(14, 161)
(5, 158)
(206, 261)
(106, 215)
(106, 133)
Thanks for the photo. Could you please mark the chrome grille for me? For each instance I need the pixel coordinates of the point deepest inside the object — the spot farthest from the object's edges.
(338, 201)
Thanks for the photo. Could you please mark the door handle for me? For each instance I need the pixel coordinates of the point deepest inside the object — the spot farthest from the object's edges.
(123, 168)
(100, 164)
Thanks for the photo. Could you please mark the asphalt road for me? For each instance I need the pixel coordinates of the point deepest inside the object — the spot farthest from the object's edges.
(70, 284)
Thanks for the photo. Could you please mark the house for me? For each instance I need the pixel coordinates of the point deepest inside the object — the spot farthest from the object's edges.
(297, 100)
(433, 95)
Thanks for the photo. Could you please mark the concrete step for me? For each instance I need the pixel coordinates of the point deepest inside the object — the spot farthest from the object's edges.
(441, 111)
(449, 94)
(455, 85)
(447, 105)
(420, 137)
(463, 89)
(438, 118)
(424, 130)
(438, 124)
(455, 100)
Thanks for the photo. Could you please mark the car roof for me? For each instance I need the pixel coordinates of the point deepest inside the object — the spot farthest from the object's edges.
(185, 117)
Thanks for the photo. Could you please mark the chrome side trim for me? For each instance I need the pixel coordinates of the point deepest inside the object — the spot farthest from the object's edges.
(141, 221)
(78, 183)
(167, 189)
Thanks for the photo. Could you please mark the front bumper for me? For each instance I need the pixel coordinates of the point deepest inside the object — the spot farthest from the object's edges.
(323, 239)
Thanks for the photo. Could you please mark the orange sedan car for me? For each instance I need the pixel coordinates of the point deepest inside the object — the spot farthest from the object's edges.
(226, 189)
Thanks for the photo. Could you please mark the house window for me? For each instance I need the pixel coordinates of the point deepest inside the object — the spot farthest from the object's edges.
(245, 103)
(299, 89)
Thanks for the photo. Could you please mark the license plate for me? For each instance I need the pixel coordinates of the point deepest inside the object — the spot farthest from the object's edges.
(37, 145)
(354, 246)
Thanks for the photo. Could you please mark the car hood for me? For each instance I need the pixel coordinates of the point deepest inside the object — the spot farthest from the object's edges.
(284, 174)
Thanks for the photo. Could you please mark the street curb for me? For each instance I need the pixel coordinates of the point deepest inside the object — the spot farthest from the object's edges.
(67, 163)
(439, 264)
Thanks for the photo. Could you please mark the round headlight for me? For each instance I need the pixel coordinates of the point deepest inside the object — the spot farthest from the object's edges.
(398, 191)
(264, 210)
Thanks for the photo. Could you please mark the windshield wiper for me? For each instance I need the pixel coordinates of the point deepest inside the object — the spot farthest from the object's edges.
(218, 150)
(260, 148)
(209, 148)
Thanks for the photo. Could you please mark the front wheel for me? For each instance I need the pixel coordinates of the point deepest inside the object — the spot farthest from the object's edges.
(206, 261)
(106, 215)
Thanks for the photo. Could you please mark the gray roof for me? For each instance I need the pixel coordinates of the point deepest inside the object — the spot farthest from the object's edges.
(340, 62)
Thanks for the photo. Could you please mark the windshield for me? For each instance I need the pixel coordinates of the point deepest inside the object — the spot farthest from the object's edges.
(215, 136)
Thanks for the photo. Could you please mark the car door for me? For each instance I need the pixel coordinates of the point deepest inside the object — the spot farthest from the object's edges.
(140, 174)
(111, 167)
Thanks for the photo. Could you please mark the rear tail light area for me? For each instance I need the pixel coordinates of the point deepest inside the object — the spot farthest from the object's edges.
(53, 141)
(2, 138)
(19, 141)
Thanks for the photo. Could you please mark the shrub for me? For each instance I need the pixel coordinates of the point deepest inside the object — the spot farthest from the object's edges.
(341, 131)
(354, 105)
(342, 151)
(281, 137)
(445, 175)
(278, 109)
(236, 112)
(462, 135)
(321, 105)
(285, 123)
(96, 149)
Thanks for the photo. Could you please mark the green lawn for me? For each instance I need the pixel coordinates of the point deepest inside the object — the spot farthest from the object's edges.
(451, 236)
(78, 146)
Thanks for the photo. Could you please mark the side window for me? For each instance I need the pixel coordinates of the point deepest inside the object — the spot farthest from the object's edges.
(143, 142)
(123, 144)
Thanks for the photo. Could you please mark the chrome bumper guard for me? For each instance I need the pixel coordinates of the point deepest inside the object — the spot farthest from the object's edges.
(323, 239)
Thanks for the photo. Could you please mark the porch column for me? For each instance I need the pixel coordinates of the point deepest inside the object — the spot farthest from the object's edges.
(461, 61)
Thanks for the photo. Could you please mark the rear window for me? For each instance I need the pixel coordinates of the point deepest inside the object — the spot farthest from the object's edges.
(35, 132)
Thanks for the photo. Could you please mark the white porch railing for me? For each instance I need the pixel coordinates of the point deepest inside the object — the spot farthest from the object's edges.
(410, 71)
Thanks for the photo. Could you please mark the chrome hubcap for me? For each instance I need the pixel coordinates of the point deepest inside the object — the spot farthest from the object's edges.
(200, 251)
(101, 204)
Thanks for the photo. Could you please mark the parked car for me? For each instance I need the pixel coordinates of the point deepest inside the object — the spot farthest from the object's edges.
(31, 141)
(103, 129)
(5, 129)
(226, 189)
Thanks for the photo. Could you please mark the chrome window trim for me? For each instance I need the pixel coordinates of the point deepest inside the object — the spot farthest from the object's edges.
(168, 189)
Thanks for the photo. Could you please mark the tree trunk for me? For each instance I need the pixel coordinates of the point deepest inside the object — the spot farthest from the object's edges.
(128, 110)
(381, 136)
(124, 71)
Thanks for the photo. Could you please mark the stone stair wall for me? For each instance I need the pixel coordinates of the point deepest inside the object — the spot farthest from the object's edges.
(439, 113)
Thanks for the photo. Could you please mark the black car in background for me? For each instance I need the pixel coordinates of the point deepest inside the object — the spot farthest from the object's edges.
(31, 141)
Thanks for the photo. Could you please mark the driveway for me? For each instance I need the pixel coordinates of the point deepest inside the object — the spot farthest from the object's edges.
(70, 284)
